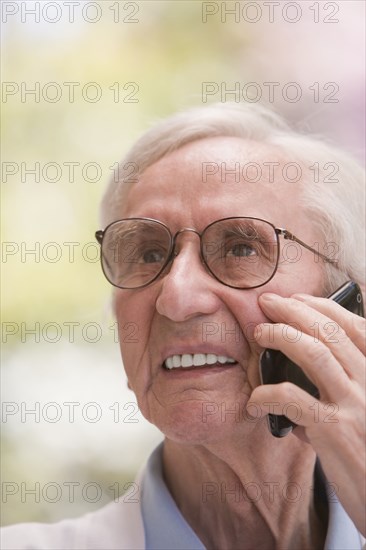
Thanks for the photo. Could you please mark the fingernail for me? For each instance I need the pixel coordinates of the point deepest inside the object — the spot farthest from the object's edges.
(257, 332)
(268, 297)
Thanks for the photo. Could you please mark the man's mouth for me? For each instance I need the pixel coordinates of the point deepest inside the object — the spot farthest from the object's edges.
(188, 360)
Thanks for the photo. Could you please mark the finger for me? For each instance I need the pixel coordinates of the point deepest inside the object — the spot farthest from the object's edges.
(354, 325)
(315, 358)
(294, 403)
(322, 328)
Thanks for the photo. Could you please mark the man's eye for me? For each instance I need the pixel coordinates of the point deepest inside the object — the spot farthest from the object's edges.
(241, 250)
(152, 256)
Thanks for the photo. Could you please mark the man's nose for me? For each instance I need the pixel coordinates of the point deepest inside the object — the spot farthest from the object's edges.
(187, 289)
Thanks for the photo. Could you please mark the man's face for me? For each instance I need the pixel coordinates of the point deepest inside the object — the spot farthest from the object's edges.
(187, 311)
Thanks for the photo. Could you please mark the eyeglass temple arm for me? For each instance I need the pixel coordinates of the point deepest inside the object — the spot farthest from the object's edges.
(280, 231)
(99, 235)
(287, 235)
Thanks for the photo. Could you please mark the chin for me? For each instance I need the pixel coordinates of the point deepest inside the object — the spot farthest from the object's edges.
(200, 422)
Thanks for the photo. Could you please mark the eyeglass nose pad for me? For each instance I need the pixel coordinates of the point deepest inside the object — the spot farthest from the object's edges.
(178, 233)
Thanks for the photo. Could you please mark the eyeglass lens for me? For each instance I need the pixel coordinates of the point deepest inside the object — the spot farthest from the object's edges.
(239, 252)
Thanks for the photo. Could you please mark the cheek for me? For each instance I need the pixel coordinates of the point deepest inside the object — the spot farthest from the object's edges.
(308, 278)
(244, 307)
(299, 270)
(134, 320)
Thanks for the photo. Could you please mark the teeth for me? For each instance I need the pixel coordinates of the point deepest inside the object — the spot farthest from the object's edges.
(196, 360)
(199, 359)
(176, 361)
(187, 360)
(169, 363)
(211, 359)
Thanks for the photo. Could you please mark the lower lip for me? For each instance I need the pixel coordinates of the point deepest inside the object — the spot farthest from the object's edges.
(199, 371)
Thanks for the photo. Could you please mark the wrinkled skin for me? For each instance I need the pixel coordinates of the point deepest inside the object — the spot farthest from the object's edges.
(214, 420)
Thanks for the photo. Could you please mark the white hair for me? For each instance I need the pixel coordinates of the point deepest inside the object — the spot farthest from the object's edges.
(333, 188)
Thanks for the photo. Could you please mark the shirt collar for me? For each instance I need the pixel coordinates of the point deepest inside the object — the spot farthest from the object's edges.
(166, 528)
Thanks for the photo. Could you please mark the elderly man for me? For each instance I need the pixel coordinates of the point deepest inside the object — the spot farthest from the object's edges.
(222, 237)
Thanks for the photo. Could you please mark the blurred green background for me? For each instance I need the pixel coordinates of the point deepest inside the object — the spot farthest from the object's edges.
(157, 55)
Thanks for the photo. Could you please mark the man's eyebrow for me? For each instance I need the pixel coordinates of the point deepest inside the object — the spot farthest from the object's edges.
(248, 230)
(134, 229)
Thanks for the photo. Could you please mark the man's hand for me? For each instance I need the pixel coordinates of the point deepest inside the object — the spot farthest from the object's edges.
(331, 350)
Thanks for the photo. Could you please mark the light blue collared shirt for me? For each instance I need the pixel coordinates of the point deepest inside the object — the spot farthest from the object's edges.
(166, 528)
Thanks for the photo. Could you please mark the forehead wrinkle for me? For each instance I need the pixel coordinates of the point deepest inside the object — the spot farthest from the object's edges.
(184, 166)
(172, 189)
(224, 149)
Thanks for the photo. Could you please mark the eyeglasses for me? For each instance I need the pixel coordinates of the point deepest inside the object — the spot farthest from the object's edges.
(239, 252)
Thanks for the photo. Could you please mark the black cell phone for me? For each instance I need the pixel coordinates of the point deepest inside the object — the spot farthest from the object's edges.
(275, 367)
